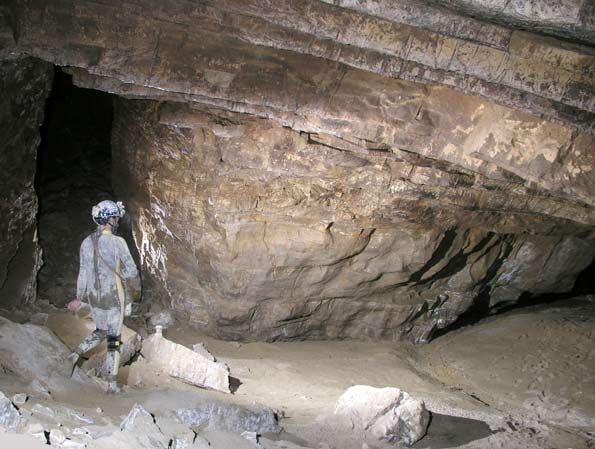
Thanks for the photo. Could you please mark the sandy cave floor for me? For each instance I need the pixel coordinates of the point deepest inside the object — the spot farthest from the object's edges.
(523, 379)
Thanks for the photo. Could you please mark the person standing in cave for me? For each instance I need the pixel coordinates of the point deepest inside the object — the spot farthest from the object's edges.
(105, 265)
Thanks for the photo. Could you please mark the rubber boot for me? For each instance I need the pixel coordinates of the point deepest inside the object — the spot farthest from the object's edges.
(112, 385)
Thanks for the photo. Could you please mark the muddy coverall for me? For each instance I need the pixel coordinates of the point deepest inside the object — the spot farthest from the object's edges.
(105, 262)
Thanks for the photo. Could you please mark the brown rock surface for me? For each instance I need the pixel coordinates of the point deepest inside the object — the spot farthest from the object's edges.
(25, 84)
(187, 48)
(255, 231)
(339, 169)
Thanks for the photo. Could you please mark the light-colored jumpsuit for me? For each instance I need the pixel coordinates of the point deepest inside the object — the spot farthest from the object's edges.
(97, 286)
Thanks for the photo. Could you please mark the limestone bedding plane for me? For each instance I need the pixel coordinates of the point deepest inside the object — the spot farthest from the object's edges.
(317, 169)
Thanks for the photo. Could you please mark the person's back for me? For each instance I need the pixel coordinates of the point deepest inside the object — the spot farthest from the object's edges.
(97, 282)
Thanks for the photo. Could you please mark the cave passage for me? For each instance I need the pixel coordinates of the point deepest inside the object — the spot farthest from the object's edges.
(73, 174)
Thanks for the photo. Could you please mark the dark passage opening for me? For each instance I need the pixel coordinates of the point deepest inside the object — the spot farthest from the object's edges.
(73, 174)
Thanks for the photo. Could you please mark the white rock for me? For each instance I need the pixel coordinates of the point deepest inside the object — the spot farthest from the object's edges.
(137, 416)
(9, 415)
(34, 428)
(250, 436)
(19, 398)
(215, 415)
(37, 431)
(43, 410)
(164, 319)
(185, 364)
(181, 436)
(199, 348)
(387, 414)
(57, 437)
(141, 424)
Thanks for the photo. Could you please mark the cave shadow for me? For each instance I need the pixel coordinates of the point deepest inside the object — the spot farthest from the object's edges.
(480, 309)
(449, 431)
(234, 384)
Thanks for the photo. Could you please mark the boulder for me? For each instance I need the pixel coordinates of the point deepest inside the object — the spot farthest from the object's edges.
(9, 415)
(140, 423)
(19, 399)
(185, 364)
(31, 351)
(140, 429)
(217, 415)
(383, 414)
(180, 435)
(57, 437)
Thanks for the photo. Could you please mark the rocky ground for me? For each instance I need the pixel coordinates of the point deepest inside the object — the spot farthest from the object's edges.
(523, 379)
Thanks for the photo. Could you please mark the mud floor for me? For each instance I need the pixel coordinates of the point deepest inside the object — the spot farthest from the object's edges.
(524, 379)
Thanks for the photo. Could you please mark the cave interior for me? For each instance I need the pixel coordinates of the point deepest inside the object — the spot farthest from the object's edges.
(326, 195)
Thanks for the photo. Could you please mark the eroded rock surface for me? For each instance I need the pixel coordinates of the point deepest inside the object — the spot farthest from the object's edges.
(253, 230)
(25, 84)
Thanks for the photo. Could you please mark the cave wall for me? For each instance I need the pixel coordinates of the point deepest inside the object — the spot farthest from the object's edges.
(252, 230)
(340, 169)
(25, 83)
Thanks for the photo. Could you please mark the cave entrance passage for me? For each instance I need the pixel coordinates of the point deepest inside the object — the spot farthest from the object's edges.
(73, 173)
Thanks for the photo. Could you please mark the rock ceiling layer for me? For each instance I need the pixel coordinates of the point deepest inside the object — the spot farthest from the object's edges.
(132, 41)
(409, 150)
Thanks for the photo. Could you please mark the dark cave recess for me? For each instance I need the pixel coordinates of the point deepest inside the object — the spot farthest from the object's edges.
(73, 173)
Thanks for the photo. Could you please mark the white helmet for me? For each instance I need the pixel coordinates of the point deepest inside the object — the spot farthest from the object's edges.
(107, 209)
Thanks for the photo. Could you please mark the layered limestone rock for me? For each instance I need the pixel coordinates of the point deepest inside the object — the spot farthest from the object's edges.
(339, 169)
(252, 230)
(213, 49)
(25, 84)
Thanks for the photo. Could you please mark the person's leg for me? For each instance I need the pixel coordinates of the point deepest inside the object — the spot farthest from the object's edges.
(112, 359)
(93, 339)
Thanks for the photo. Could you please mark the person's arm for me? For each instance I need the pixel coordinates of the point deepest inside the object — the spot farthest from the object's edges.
(128, 267)
(85, 269)
(129, 274)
